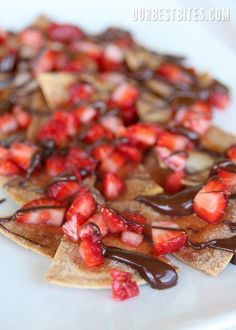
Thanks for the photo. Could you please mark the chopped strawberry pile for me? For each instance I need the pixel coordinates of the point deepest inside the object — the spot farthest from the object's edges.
(123, 287)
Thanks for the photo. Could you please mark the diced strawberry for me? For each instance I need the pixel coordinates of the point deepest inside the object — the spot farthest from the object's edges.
(55, 165)
(115, 223)
(80, 92)
(3, 36)
(173, 183)
(70, 229)
(135, 221)
(95, 133)
(53, 215)
(211, 201)
(64, 32)
(91, 252)
(177, 160)
(89, 229)
(144, 134)
(113, 163)
(99, 220)
(231, 153)
(64, 190)
(32, 38)
(131, 153)
(123, 287)
(114, 125)
(167, 241)
(112, 186)
(89, 48)
(174, 74)
(55, 129)
(219, 100)
(174, 142)
(79, 162)
(45, 62)
(103, 151)
(131, 238)
(112, 58)
(8, 123)
(85, 114)
(228, 177)
(22, 154)
(7, 167)
(129, 115)
(69, 121)
(22, 117)
(125, 95)
(4, 153)
(82, 208)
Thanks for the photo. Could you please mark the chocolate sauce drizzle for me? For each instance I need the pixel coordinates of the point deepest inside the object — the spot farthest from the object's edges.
(179, 204)
(158, 274)
(224, 244)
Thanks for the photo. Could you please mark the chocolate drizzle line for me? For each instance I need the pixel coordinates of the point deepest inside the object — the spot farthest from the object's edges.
(224, 244)
(179, 204)
(158, 274)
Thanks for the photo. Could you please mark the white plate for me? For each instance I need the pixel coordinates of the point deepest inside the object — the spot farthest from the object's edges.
(198, 301)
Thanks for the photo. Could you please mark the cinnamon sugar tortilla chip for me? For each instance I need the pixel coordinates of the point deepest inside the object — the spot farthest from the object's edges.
(217, 139)
(55, 87)
(37, 238)
(209, 260)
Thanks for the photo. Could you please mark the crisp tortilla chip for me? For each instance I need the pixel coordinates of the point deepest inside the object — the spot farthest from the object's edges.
(55, 87)
(218, 140)
(211, 261)
(40, 239)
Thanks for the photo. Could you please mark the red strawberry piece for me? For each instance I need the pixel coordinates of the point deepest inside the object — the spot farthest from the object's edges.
(69, 121)
(228, 177)
(89, 229)
(91, 252)
(99, 220)
(70, 229)
(174, 74)
(55, 165)
(177, 160)
(45, 62)
(211, 201)
(135, 221)
(4, 153)
(112, 58)
(114, 125)
(7, 167)
(95, 133)
(3, 36)
(80, 92)
(125, 95)
(144, 134)
(173, 183)
(53, 216)
(89, 48)
(131, 238)
(32, 38)
(231, 153)
(112, 186)
(132, 153)
(22, 117)
(64, 190)
(115, 223)
(129, 116)
(123, 287)
(65, 32)
(22, 154)
(219, 100)
(82, 208)
(85, 114)
(54, 130)
(167, 241)
(79, 163)
(173, 142)
(103, 151)
(8, 123)
(113, 163)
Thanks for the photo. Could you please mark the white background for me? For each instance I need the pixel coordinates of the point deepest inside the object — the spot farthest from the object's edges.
(27, 302)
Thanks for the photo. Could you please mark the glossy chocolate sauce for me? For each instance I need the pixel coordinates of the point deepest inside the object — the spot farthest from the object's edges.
(224, 164)
(158, 274)
(224, 244)
(179, 204)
